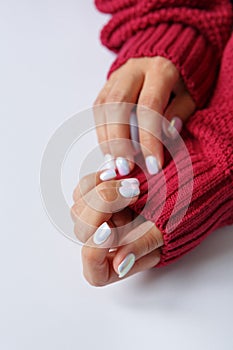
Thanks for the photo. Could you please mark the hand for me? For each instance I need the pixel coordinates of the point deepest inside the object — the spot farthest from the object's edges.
(103, 220)
(149, 82)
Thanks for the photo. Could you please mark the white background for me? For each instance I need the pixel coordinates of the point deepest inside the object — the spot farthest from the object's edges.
(51, 66)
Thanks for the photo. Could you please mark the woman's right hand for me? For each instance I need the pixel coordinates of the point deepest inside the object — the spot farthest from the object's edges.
(103, 220)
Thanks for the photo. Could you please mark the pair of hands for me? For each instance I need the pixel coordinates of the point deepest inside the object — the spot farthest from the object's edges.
(101, 214)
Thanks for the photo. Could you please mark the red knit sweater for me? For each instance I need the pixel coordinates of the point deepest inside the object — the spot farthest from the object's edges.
(192, 34)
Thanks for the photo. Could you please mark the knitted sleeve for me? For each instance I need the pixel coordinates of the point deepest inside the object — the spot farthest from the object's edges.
(164, 200)
(190, 33)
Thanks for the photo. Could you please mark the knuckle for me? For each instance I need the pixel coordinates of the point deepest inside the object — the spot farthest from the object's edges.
(113, 110)
(165, 66)
(77, 208)
(83, 183)
(74, 210)
(117, 96)
(79, 190)
(130, 62)
(99, 101)
(75, 194)
(150, 101)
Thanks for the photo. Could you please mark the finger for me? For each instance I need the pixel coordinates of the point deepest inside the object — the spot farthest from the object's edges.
(145, 263)
(97, 259)
(123, 93)
(146, 239)
(88, 182)
(98, 205)
(155, 95)
(97, 266)
(100, 117)
(178, 111)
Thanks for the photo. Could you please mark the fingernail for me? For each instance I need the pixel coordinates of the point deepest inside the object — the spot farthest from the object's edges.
(102, 234)
(152, 165)
(126, 265)
(175, 126)
(128, 189)
(108, 175)
(109, 162)
(122, 166)
(132, 180)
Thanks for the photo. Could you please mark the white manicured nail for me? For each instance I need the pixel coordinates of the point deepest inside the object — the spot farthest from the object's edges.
(122, 166)
(152, 165)
(129, 181)
(129, 191)
(108, 175)
(175, 126)
(109, 162)
(126, 265)
(102, 233)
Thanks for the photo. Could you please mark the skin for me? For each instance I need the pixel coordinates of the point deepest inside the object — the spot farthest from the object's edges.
(96, 202)
(148, 82)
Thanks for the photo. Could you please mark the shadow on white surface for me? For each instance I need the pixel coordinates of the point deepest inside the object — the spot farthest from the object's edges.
(206, 269)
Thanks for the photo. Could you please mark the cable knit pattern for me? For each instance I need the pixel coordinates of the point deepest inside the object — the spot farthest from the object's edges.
(208, 136)
(192, 34)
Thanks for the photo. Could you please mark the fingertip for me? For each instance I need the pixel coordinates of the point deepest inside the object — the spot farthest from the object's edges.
(102, 234)
(124, 165)
(154, 161)
(131, 165)
(173, 127)
(123, 264)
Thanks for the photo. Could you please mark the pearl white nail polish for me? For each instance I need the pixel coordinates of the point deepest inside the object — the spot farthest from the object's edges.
(126, 265)
(108, 175)
(109, 162)
(129, 191)
(122, 166)
(175, 126)
(134, 133)
(102, 234)
(129, 181)
(152, 165)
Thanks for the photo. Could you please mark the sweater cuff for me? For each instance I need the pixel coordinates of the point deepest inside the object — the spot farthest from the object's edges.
(189, 51)
(188, 207)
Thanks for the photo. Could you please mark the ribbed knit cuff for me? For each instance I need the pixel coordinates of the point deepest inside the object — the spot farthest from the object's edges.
(185, 47)
(188, 208)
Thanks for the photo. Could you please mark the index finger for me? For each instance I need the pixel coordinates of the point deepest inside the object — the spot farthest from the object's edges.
(98, 205)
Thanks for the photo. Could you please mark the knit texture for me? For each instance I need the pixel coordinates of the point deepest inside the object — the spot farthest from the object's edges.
(208, 136)
(190, 33)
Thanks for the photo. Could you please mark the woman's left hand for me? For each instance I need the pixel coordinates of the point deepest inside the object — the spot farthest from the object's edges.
(103, 220)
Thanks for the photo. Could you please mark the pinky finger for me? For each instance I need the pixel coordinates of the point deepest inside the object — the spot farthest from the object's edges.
(143, 245)
(145, 263)
(178, 111)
